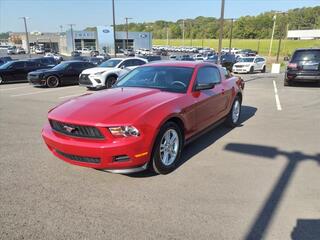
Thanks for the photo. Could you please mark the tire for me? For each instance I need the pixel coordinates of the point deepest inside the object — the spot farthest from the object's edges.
(91, 88)
(251, 70)
(110, 81)
(287, 83)
(263, 69)
(1, 80)
(233, 116)
(52, 81)
(162, 160)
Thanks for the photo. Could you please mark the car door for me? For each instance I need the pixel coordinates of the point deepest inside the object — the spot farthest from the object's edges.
(19, 71)
(208, 103)
(74, 72)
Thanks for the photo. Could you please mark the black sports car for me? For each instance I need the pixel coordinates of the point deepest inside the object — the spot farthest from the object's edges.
(65, 73)
(17, 71)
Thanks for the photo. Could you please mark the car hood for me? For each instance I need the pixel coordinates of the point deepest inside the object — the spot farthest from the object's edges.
(97, 69)
(43, 70)
(112, 106)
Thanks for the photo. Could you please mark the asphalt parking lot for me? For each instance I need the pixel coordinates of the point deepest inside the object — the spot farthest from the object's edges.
(259, 180)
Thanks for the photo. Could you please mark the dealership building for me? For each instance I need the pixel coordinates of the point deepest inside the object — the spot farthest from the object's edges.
(101, 39)
(304, 34)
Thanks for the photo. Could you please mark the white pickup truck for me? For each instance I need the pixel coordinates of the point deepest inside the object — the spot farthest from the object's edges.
(107, 73)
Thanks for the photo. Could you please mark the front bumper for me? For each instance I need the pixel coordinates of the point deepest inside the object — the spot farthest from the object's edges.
(36, 81)
(103, 152)
(240, 69)
(90, 80)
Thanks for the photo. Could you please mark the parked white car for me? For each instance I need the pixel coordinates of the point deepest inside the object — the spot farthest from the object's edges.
(107, 73)
(250, 65)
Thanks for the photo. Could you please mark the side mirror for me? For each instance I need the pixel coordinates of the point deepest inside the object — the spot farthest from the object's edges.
(123, 67)
(204, 86)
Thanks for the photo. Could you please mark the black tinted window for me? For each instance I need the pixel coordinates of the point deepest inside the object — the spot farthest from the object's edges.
(78, 65)
(306, 55)
(138, 62)
(19, 65)
(32, 64)
(127, 63)
(208, 75)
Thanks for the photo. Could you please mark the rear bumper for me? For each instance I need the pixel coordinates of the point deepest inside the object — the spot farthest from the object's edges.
(303, 77)
(101, 153)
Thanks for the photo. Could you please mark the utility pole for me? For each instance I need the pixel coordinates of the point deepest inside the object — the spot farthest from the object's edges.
(274, 26)
(280, 38)
(61, 29)
(221, 31)
(127, 18)
(27, 36)
(183, 32)
(114, 29)
(231, 30)
(167, 36)
(72, 38)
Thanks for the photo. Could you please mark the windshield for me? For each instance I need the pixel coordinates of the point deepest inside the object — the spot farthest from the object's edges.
(246, 59)
(110, 63)
(167, 78)
(6, 65)
(61, 66)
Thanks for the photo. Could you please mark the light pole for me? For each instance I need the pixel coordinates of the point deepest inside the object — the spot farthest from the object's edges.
(61, 29)
(167, 35)
(127, 44)
(221, 30)
(274, 26)
(27, 36)
(231, 32)
(183, 32)
(72, 38)
(280, 38)
(114, 28)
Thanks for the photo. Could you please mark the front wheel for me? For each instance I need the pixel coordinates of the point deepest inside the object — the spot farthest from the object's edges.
(110, 81)
(263, 69)
(1, 80)
(251, 70)
(233, 117)
(52, 81)
(167, 149)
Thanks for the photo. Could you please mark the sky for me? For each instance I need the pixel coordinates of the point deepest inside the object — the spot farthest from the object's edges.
(48, 15)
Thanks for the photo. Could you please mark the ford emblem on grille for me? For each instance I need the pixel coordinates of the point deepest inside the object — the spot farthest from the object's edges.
(69, 129)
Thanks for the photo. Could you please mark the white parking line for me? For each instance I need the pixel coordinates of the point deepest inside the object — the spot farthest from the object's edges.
(7, 89)
(39, 92)
(279, 108)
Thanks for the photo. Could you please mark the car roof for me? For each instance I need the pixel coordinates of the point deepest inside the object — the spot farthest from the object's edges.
(304, 49)
(191, 64)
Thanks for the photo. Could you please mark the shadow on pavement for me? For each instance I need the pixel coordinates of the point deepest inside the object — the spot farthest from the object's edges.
(306, 229)
(264, 217)
(204, 140)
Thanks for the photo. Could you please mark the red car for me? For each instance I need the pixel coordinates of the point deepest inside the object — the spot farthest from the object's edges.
(146, 118)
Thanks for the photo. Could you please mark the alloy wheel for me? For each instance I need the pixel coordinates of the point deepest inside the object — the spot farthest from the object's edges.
(169, 146)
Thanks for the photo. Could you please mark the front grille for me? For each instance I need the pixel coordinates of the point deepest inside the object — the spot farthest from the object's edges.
(76, 130)
(78, 158)
(84, 79)
(239, 66)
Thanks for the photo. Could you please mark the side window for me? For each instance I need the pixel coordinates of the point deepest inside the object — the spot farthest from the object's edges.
(127, 63)
(208, 75)
(78, 66)
(138, 62)
(19, 65)
(32, 64)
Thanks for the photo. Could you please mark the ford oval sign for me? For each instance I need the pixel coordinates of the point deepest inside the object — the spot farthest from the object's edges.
(105, 31)
(143, 35)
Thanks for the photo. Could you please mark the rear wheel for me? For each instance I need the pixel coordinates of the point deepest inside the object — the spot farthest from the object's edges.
(263, 69)
(52, 81)
(251, 70)
(287, 83)
(1, 80)
(233, 117)
(110, 81)
(167, 149)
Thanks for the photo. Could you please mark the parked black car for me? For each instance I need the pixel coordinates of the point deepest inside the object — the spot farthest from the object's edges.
(75, 54)
(97, 60)
(47, 61)
(65, 73)
(3, 60)
(227, 60)
(304, 66)
(17, 71)
(151, 58)
(248, 52)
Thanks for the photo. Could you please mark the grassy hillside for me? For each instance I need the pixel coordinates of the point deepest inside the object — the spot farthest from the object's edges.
(287, 46)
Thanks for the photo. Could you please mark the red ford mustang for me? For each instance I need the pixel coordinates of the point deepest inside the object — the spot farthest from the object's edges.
(145, 119)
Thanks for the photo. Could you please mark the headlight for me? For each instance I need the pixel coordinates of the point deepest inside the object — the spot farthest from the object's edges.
(99, 73)
(124, 131)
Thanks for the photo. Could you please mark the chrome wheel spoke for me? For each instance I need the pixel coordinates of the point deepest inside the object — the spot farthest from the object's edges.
(169, 146)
